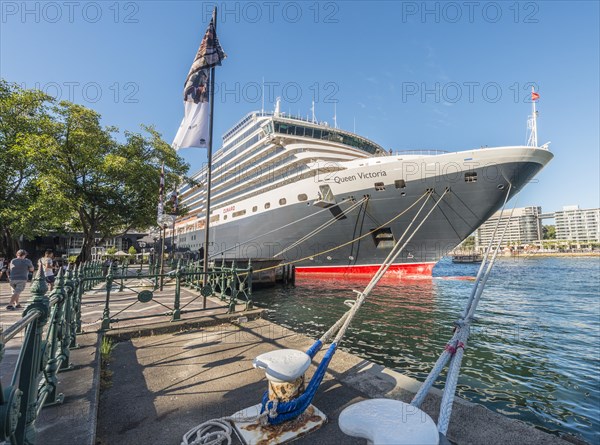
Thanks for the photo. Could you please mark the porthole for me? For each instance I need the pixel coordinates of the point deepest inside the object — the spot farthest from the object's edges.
(282, 201)
(267, 205)
(500, 186)
(302, 197)
(255, 208)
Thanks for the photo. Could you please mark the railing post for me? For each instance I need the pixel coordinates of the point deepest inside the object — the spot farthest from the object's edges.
(249, 303)
(34, 349)
(80, 283)
(233, 286)
(56, 331)
(176, 310)
(68, 333)
(106, 312)
(223, 280)
(123, 272)
(74, 325)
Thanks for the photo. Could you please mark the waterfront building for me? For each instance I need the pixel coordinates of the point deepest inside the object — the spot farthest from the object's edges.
(579, 225)
(524, 227)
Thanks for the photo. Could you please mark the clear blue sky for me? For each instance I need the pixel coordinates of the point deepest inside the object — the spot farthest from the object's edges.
(445, 75)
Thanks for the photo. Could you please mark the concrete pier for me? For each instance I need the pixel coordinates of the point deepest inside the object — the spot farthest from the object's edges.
(163, 385)
(170, 376)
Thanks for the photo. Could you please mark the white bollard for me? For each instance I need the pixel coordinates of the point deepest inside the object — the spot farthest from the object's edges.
(388, 422)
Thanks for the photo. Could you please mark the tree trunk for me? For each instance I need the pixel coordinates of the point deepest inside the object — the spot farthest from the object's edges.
(8, 245)
(86, 250)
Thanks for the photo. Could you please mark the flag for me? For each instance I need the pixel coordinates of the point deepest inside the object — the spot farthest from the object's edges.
(534, 95)
(194, 128)
(161, 193)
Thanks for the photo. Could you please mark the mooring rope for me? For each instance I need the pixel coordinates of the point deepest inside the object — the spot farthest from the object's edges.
(392, 256)
(274, 230)
(218, 431)
(323, 252)
(322, 227)
(454, 349)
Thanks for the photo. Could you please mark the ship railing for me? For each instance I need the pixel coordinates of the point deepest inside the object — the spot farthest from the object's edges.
(421, 152)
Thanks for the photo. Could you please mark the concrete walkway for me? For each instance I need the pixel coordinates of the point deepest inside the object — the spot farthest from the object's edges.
(163, 385)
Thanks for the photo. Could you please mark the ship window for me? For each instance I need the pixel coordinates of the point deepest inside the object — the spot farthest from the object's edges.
(282, 201)
(318, 134)
(299, 131)
(471, 177)
(308, 132)
(239, 213)
(379, 186)
(255, 208)
(383, 238)
(215, 218)
(400, 183)
(302, 197)
(224, 217)
(267, 205)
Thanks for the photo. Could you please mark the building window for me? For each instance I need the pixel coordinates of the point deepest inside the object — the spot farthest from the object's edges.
(471, 177)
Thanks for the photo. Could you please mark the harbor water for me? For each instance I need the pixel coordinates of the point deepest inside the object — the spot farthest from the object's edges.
(534, 351)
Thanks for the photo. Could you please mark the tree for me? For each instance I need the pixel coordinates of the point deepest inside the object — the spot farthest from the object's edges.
(107, 186)
(132, 251)
(549, 232)
(24, 209)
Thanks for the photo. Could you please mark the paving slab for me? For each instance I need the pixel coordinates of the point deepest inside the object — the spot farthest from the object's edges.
(163, 385)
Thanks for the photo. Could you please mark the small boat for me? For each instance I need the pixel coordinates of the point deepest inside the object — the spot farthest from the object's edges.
(467, 258)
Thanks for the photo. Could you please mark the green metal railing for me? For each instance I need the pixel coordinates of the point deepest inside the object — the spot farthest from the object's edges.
(231, 283)
(51, 325)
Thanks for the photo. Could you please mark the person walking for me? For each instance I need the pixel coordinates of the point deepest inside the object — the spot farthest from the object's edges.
(47, 262)
(18, 270)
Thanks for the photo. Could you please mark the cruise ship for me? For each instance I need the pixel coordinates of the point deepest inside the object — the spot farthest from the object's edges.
(332, 202)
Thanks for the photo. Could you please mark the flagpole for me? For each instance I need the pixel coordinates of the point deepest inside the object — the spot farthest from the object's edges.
(161, 221)
(209, 166)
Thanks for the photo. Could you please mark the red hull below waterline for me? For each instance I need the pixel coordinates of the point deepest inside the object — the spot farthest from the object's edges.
(400, 270)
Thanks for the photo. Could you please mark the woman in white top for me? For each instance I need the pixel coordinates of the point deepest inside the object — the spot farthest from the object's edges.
(47, 262)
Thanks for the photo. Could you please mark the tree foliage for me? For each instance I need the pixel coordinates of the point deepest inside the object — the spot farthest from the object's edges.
(549, 232)
(23, 115)
(90, 178)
